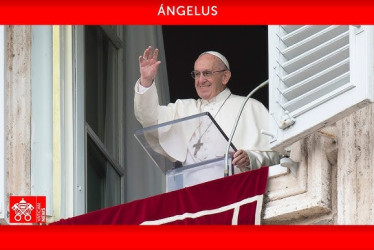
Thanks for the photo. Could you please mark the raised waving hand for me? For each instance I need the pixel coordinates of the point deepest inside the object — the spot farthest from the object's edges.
(148, 65)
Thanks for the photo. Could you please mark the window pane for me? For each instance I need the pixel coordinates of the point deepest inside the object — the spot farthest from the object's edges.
(95, 177)
(113, 187)
(103, 181)
(101, 87)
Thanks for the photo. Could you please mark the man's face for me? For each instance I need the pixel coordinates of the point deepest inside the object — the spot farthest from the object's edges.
(209, 87)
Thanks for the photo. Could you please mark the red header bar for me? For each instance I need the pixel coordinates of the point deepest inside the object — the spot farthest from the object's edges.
(178, 12)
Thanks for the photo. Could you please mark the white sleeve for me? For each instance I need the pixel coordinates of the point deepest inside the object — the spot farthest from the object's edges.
(146, 105)
(260, 158)
(140, 89)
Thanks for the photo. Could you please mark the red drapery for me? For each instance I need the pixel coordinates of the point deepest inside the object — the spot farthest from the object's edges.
(233, 200)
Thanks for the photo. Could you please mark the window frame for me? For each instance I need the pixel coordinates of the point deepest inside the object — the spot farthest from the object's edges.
(81, 128)
(42, 114)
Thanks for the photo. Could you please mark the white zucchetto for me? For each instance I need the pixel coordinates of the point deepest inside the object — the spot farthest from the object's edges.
(219, 55)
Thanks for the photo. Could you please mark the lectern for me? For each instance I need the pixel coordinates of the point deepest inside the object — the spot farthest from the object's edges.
(188, 151)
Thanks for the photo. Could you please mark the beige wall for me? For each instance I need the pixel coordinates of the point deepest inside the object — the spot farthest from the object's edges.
(18, 109)
(355, 191)
(334, 181)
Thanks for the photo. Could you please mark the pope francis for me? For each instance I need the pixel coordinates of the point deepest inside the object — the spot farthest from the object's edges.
(211, 74)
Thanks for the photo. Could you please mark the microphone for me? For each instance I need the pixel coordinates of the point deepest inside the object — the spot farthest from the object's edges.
(226, 162)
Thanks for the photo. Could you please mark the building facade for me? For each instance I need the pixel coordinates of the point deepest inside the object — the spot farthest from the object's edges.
(67, 123)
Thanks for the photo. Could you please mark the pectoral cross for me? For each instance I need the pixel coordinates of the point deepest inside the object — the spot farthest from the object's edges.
(197, 146)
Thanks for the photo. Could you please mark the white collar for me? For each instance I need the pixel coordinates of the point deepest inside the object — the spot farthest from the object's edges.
(218, 98)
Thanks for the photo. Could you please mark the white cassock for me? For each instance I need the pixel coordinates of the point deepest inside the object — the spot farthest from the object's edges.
(247, 136)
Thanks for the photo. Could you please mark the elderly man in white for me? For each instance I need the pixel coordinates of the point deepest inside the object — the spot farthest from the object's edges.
(212, 74)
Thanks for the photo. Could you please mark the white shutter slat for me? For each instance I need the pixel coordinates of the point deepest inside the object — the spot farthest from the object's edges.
(323, 93)
(319, 65)
(315, 53)
(291, 28)
(301, 34)
(317, 74)
(316, 80)
(312, 41)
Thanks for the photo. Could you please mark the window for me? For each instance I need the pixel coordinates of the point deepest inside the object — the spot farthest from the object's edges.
(103, 104)
(317, 75)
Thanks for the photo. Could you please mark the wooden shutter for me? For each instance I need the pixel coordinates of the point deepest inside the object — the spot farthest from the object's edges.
(317, 75)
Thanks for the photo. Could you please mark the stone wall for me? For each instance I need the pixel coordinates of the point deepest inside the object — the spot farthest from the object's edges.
(355, 180)
(334, 180)
(18, 109)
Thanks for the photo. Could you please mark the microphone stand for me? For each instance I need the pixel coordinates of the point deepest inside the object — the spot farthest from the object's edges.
(226, 173)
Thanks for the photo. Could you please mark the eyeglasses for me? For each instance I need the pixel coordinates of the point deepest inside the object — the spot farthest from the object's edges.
(207, 73)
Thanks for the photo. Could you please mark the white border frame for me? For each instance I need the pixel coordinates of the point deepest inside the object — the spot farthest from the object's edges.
(2, 125)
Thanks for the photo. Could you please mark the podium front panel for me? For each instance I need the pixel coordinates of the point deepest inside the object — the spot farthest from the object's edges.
(197, 173)
(194, 143)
